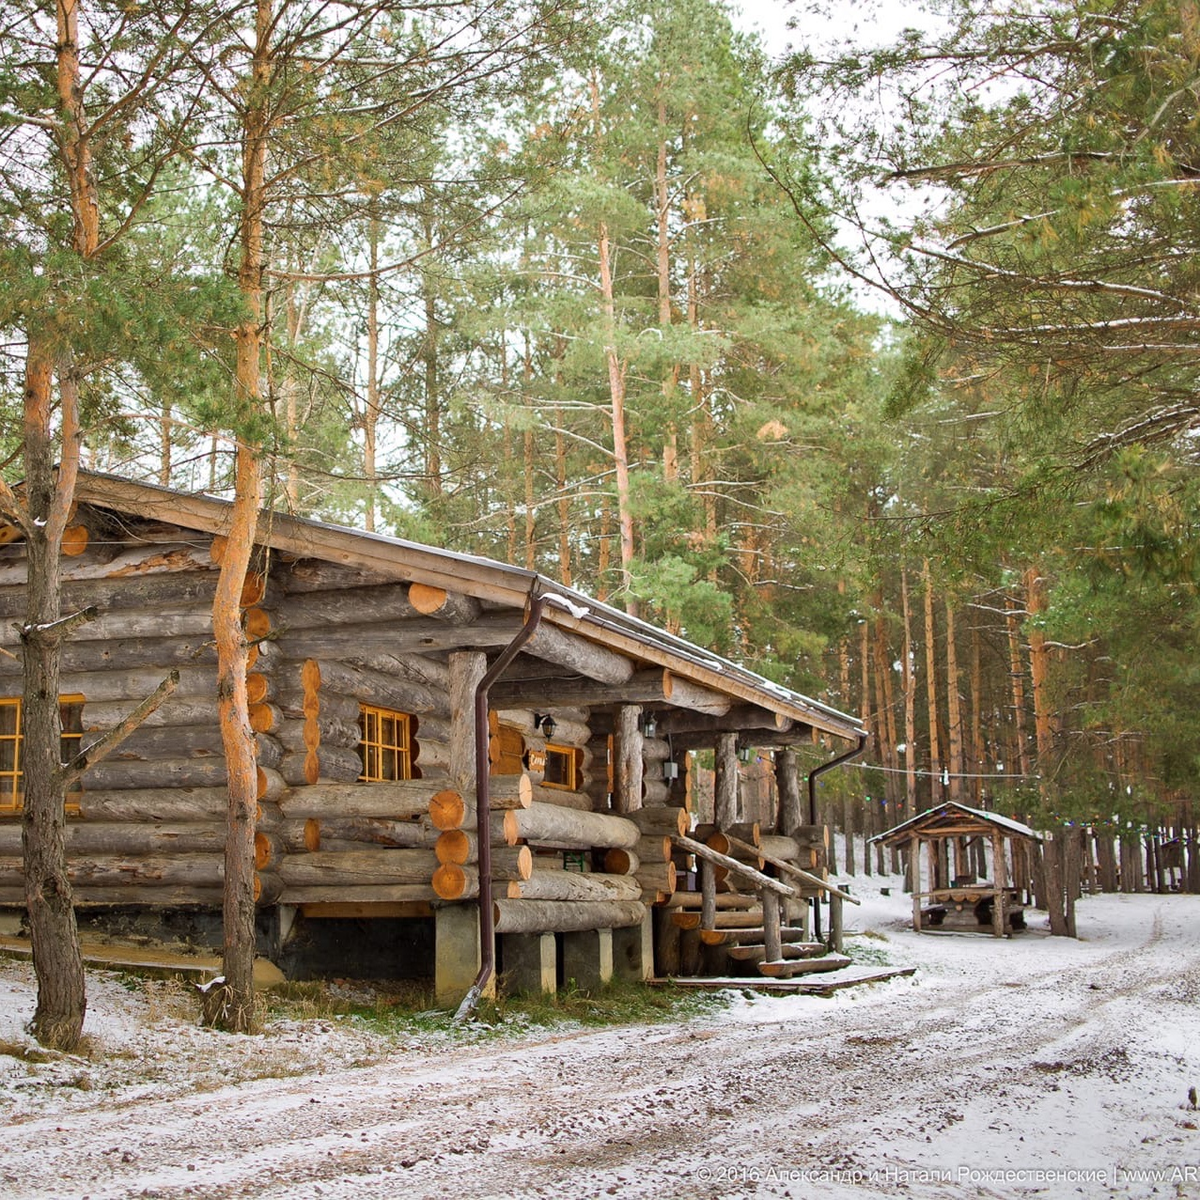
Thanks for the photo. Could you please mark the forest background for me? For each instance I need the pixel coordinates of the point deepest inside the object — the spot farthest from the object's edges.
(581, 286)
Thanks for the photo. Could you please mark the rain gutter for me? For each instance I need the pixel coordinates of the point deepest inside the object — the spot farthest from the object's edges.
(483, 806)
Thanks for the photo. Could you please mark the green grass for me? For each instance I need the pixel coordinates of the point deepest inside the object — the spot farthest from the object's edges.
(869, 948)
(407, 1009)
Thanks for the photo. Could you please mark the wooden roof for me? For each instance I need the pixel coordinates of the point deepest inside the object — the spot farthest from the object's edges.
(491, 582)
(955, 820)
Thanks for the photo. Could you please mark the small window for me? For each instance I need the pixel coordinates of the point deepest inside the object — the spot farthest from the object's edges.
(562, 768)
(12, 743)
(386, 748)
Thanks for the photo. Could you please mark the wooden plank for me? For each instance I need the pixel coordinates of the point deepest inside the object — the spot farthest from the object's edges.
(786, 968)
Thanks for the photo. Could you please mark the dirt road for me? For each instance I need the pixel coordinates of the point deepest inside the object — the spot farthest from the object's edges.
(1022, 1068)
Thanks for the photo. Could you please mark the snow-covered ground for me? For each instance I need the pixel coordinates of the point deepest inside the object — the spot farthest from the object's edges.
(1024, 1067)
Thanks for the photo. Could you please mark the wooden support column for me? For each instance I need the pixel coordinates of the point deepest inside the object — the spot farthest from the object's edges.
(791, 799)
(708, 894)
(467, 668)
(633, 950)
(628, 769)
(999, 919)
(587, 957)
(772, 940)
(725, 786)
(914, 859)
(530, 962)
(836, 925)
(456, 953)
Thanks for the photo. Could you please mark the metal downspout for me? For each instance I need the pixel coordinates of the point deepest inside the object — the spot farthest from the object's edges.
(483, 807)
(812, 809)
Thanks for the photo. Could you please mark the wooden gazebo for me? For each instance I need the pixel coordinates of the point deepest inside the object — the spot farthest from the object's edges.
(961, 901)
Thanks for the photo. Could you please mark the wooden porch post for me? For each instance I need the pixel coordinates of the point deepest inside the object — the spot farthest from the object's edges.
(628, 770)
(914, 868)
(999, 919)
(725, 785)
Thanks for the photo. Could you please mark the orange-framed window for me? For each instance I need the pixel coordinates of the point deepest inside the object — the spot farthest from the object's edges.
(12, 745)
(386, 748)
(562, 768)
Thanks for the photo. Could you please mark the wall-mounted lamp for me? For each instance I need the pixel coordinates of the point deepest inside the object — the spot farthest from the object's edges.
(545, 723)
(745, 754)
(649, 725)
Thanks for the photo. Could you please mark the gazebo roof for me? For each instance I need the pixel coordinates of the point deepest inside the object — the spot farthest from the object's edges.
(955, 820)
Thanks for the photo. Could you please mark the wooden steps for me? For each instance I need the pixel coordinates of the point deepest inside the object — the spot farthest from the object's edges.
(757, 951)
(785, 968)
(745, 937)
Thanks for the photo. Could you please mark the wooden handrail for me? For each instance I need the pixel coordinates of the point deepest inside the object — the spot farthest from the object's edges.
(788, 868)
(731, 864)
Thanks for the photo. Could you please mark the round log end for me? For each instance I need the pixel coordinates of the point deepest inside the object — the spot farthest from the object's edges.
(270, 784)
(264, 851)
(447, 809)
(263, 717)
(258, 687)
(525, 791)
(425, 599)
(312, 767)
(620, 862)
(511, 833)
(312, 834)
(74, 540)
(450, 882)
(524, 862)
(256, 622)
(254, 588)
(453, 846)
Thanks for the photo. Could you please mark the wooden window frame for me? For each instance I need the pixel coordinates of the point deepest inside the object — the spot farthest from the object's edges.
(573, 767)
(12, 778)
(376, 744)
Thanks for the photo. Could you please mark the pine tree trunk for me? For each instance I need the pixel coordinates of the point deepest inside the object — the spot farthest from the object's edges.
(371, 406)
(61, 1003)
(871, 726)
(935, 747)
(236, 1009)
(953, 708)
(1017, 676)
(978, 756)
(1035, 603)
(910, 703)
(616, 390)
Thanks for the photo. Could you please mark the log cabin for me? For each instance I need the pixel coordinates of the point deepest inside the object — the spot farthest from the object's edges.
(453, 753)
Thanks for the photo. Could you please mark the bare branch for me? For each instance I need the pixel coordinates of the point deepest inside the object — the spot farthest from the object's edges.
(108, 742)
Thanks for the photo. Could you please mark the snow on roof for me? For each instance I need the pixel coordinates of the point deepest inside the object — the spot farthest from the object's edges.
(1007, 824)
